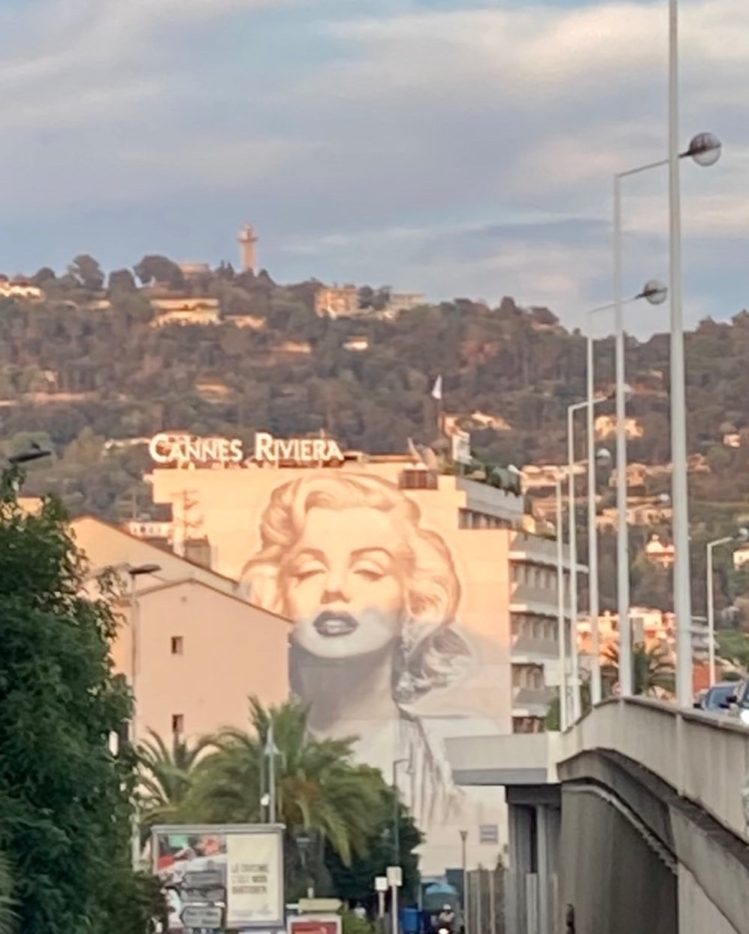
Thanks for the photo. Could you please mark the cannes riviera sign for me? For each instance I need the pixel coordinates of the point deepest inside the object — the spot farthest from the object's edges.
(184, 450)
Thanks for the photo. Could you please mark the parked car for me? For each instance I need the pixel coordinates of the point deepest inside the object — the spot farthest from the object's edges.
(719, 697)
(739, 702)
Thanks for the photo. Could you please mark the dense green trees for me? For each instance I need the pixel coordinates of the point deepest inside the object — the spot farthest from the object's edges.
(166, 776)
(338, 814)
(64, 796)
(353, 881)
(8, 917)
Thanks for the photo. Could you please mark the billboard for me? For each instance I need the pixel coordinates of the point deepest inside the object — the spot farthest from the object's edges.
(400, 613)
(232, 872)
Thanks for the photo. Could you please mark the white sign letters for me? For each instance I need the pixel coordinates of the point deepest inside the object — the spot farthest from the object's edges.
(270, 450)
(188, 450)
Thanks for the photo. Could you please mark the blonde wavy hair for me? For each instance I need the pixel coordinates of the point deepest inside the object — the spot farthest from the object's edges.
(432, 654)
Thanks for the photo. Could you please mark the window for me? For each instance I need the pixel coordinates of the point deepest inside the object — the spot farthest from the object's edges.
(419, 480)
(527, 725)
(178, 723)
(178, 645)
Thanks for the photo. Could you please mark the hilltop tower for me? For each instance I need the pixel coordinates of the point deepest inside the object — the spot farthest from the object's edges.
(247, 240)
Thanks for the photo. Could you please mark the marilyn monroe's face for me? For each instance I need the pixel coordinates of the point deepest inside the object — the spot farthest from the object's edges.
(342, 583)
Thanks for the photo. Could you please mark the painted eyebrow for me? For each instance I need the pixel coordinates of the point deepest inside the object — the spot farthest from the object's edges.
(361, 552)
(310, 553)
(358, 553)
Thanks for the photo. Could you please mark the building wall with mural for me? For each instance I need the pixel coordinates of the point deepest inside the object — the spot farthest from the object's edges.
(398, 583)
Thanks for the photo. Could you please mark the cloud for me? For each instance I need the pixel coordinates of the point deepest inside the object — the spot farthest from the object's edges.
(446, 147)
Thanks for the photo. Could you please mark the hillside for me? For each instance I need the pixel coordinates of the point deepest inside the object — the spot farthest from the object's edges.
(88, 361)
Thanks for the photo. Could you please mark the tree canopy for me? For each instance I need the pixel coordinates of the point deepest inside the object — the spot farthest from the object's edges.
(338, 814)
(64, 795)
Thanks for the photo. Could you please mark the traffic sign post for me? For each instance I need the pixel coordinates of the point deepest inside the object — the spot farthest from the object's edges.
(203, 916)
(381, 887)
(203, 879)
(202, 890)
(395, 881)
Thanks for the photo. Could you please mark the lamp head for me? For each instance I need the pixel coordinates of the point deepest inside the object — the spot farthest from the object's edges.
(742, 536)
(654, 292)
(705, 149)
(603, 456)
(34, 453)
(139, 569)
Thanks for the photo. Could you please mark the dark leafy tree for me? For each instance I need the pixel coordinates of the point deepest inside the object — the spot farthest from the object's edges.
(353, 882)
(161, 270)
(8, 916)
(64, 796)
(166, 775)
(87, 272)
(44, 276)
(121, 282)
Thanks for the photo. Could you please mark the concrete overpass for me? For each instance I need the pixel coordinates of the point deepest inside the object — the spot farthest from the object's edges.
(634, 821)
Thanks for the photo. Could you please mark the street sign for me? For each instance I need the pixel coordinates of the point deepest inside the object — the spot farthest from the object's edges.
(203, 879)
(381, 884)
(203, 895)
(310, 906)
(202, 916)
(395, 876)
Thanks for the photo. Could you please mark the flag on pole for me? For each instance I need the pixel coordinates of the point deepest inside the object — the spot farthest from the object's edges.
(437, 388)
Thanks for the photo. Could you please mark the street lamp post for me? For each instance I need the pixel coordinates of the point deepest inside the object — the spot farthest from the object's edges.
(396, 813)
(136, 571)
(561, 622)
(654, 292)
(705, 150)
(711, 546)
(708, 155)
(463, 839)
(270, 752)
(571, 465)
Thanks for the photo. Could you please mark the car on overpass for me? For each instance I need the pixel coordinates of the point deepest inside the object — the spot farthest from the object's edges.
(739, 701)
(719, 697)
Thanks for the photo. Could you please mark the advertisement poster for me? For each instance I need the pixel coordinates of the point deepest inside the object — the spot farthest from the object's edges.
(237, 868)
(254, 888)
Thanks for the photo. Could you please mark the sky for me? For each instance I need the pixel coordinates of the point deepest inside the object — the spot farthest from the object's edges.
(451, 147)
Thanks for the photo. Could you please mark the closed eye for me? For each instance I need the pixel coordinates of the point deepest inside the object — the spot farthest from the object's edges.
(306, 571)
(370, 572)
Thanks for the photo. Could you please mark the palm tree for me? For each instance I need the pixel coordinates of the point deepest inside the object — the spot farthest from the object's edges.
(166, 774)
(320, 792)
(7, 902)
(652, 669)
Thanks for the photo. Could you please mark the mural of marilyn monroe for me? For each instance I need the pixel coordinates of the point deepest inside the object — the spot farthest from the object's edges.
(373, 597)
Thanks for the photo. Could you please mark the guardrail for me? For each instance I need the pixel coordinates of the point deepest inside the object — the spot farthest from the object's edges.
(704, 758)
